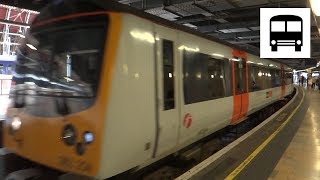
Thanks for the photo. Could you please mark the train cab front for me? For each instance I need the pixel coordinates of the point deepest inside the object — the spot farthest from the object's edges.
(59, 95)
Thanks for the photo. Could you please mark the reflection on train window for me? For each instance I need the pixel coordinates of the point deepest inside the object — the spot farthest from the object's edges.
(289, 78)
(262, 78)
(9, 69)
(275, 77)
(72, 66)
(203, 77)
(168, 74)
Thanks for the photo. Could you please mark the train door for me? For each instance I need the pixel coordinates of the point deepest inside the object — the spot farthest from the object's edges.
(240, 86)
(167, 91)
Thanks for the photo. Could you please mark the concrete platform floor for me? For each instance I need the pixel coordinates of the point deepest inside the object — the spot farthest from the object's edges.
(301, 160)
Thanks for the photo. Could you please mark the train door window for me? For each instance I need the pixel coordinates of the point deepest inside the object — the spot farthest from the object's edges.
(168, 74)
(240, 76)
(252, 78)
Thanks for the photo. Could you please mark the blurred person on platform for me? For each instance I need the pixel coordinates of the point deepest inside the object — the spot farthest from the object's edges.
(314, 79)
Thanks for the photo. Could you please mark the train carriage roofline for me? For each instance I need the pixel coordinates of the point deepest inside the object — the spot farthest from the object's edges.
(113, 6)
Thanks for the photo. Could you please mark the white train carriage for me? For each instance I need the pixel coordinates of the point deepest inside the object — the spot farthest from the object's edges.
(161, 88)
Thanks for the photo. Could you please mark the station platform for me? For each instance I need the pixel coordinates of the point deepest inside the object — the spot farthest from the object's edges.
(284, 146)
(301, 160)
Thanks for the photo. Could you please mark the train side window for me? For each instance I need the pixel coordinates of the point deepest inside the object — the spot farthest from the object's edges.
(227, 79)
(9, 69)
(216, 76)
(277, 78)
(264, 76)
(289, 77)
(1, 69)
(204, 77)
(195, 70)
(256, 80)
(267, 77)
(261, 78)
(273, 77)
(168, 74)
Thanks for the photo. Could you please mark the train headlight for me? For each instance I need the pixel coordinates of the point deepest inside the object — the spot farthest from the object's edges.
(16, 123)
(88, 137)
(69, 135)
(298, 42)
(273, 42)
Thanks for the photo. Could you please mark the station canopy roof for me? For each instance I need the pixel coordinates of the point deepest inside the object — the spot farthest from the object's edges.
(234, 21)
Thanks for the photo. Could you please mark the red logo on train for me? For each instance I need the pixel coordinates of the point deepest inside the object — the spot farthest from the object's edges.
(187, 120)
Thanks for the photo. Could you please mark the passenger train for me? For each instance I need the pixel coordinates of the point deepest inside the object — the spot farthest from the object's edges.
(101, 88)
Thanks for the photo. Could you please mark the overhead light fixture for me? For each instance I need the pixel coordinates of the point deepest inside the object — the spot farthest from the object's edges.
(31, 47)
(315, 6)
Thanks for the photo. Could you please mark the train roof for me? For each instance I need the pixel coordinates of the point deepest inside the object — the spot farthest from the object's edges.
(62, 8)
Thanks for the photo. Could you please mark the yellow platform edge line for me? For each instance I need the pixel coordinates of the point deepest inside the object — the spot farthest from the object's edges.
(247, 161)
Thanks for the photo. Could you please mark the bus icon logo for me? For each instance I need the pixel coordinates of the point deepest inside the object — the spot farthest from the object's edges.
(286, 30)
(285, 33)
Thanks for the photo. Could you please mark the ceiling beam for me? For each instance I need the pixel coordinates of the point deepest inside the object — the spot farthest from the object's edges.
(12, 23)
(217, 15)
(245, 41)
(250, 47)
(234, 35)
(247, 11)
(217, 27)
